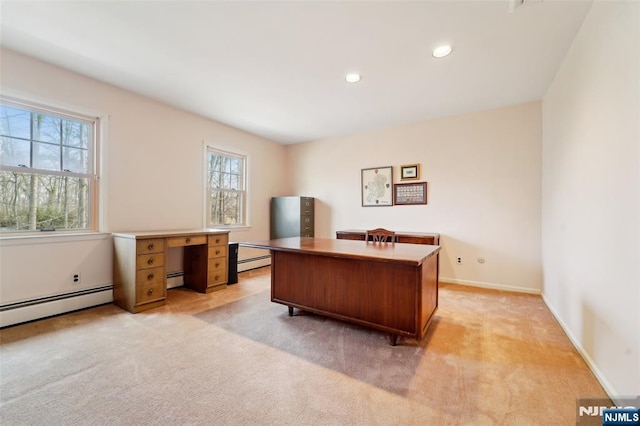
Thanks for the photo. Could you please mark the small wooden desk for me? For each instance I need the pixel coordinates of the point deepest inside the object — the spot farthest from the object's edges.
(389, 287)
(402, 237)
(139, 276)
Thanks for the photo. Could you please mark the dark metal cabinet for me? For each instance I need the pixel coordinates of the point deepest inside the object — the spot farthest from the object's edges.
(292, 217)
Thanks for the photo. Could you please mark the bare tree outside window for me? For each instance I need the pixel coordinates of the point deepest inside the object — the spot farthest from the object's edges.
(47, 176)
(225, 188)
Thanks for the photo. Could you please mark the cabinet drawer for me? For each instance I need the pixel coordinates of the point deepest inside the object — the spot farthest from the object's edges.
(149, 292)
(217, 264)
(151, 245)
(217, 251)
(146, 277)
(216, 276)
(147, 261)
(187, 241)
(417, 240)
(219, 240)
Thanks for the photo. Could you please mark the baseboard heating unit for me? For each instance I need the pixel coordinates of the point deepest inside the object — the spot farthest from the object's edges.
(29, 310)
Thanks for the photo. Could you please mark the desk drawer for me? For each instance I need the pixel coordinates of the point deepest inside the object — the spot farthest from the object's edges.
(218, 240)
(147, 261)
(216, 276)
(187, 241)
(217, 264)
(217, 251)
(145, 277)
(149, 292)
(150, 245)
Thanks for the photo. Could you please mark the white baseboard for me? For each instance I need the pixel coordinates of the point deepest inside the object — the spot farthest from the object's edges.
(489, 285)
(253, 263)
(56, 305)
(608, 388)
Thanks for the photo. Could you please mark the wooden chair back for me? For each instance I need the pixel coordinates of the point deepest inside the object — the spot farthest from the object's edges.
(380, 235)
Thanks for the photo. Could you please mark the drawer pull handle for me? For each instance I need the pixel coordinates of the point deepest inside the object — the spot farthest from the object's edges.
(150, 277)
(217, 277)
(217, 240)
(150, 246)
(150, 261)
(217, 251)
(149, 292)
(188, 240)
(217, 264)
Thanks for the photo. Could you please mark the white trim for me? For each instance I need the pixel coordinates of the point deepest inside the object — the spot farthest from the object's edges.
(234, 228)
(606, 385)
(210, 146)
(20, 97)
(254, 263)
(489, 285)
(102, 188)
(53, 237)
(99, 123)
(56, 307)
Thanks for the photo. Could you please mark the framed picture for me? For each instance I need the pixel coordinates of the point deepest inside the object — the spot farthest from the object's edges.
(377, 186)
(410, 171)
(410, 193)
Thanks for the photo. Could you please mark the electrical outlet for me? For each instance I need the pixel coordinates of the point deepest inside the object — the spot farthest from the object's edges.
(459, 261)
(76, 278)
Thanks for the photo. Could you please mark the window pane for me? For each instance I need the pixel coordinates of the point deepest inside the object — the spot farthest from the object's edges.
(14, 152)
(75, 134)
(75, 160)
(234, 182)
(225, 181)
(226, 208)
(46, 128)
(15, 122)
(235, 166)
(60, 202)
(38, 140)
(46, 156)
(225, 189)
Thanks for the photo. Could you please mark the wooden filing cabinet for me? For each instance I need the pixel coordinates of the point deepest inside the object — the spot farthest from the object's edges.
(139, 274)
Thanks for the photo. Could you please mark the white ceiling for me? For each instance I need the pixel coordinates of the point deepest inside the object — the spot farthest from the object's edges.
(277, 69)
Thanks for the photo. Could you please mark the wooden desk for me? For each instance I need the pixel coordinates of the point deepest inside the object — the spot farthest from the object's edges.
(389, 287)
(139, 276)
(402, 237)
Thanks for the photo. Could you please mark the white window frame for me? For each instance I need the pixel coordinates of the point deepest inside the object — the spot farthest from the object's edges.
(95, 202)
(209, 148)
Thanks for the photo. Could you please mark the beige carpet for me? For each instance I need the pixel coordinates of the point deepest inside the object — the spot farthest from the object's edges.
(235, 358)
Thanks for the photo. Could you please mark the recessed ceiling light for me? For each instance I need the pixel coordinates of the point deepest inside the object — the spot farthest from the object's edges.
(441, 51)
(352, 78)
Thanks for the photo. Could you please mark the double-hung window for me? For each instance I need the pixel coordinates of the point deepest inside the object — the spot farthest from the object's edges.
(48, 176)
(226, 188)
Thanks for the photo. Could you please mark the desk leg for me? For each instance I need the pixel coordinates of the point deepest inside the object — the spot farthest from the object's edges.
(290, 311)
(393, 339)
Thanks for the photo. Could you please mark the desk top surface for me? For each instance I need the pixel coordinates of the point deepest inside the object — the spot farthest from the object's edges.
(170, 233)
(414, 254)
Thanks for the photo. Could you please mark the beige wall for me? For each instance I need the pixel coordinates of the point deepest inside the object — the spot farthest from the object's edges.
(483, 174)
(591, 194)
(152, 179)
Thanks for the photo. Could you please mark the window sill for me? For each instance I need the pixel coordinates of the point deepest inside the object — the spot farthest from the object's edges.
(231, 228)
(51, 238)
